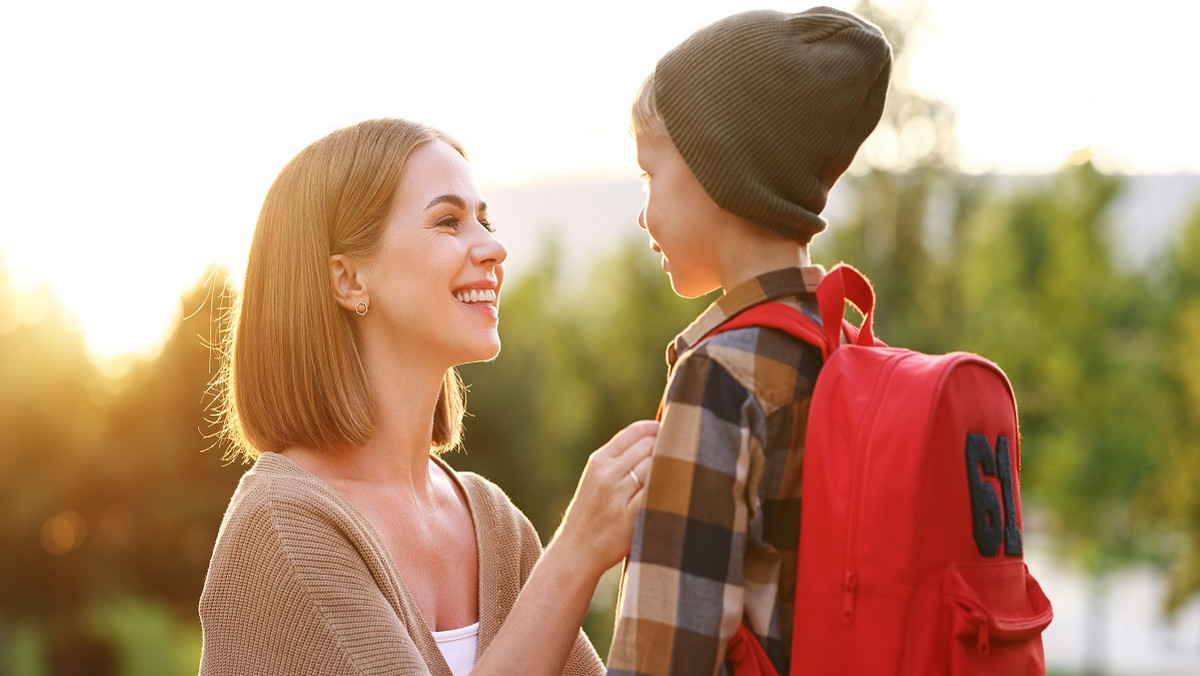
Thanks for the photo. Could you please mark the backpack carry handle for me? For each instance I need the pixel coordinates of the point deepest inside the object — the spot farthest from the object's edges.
(844, 283)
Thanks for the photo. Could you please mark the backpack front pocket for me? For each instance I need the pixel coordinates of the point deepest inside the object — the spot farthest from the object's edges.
(995, 614)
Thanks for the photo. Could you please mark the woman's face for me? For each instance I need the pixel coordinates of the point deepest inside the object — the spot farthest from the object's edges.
(435, 282)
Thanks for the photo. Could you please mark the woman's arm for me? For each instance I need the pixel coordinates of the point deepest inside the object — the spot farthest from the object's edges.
(594, 535)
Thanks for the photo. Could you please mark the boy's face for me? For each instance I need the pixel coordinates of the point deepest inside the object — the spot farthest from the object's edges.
(683, 221)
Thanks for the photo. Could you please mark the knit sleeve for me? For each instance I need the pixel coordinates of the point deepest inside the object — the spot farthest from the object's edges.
(288, 593)
(514, 540)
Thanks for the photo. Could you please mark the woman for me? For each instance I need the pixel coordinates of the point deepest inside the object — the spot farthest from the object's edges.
(350, 547)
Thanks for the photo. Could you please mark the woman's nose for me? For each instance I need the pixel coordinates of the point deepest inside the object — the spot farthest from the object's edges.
(490, 250)
(641, 219)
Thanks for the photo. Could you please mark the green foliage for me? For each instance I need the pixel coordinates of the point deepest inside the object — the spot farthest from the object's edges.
(1173, 496)
(1043, 297)
(148, 638)
(1024, 273)
(25, 650)
(106, 491)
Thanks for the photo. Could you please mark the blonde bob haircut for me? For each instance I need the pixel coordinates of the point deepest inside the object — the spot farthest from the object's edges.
(293, 373)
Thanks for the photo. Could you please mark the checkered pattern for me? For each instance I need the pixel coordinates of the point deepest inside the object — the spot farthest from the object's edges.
(716, 542)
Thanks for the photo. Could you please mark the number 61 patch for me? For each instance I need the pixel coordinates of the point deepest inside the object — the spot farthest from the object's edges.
(988, 525)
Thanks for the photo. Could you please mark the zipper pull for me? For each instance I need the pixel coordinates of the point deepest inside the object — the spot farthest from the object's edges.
(983, 621)
(849, 585)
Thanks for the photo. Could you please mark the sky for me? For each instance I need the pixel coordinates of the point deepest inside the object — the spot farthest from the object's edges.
(141, 136)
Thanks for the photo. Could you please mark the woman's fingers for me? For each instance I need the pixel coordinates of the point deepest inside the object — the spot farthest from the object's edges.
(625, 459)
(598, 525)
(632, 459)
(642, 470)
(630, 469)
(625, 439)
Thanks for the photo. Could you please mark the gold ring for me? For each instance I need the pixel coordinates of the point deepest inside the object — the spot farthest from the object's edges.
(637, 481)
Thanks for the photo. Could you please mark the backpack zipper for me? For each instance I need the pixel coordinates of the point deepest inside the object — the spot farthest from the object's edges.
(850, 578)
(849, 585)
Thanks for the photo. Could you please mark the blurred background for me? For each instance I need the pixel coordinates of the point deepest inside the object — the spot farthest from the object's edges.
(1032, 194)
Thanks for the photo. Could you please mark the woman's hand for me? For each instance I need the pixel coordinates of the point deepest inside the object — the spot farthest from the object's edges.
(597, 529)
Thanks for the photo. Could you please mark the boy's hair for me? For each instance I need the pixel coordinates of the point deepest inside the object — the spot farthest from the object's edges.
(293, 370)
(768, 109)
(645, 118)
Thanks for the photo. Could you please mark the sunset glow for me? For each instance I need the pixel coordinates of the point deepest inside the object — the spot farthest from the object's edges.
(145, 135)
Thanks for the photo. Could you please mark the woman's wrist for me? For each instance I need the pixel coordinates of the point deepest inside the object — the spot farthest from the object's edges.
(570, 564)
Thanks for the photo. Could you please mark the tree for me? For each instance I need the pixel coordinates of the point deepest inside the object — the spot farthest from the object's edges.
(109, 508)
(1172, 499)
(50, 412)
(1022, 271)
(159, 477)
(1042, 295)
(904, 194)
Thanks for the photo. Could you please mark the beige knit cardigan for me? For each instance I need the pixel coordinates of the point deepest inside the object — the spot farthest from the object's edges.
(300, 582)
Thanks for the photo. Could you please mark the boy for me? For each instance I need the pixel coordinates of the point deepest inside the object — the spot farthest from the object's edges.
(741, 131)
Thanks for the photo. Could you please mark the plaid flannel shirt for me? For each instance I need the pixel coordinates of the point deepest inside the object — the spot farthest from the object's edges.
(716, 542)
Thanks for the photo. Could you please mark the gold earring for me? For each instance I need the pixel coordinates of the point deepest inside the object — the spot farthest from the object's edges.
(361, 308)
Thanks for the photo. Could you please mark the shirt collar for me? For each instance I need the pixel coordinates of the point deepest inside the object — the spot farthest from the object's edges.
(767, 286)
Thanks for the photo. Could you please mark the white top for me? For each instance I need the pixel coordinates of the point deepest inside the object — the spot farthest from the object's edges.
(458, 647)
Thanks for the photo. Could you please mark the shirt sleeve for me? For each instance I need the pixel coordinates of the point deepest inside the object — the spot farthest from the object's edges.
(682, 593)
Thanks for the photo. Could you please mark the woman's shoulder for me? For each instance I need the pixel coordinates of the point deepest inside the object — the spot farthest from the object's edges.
(486, 496)
(482, 489)
(278, 495)
(274, 479)
(489, 500)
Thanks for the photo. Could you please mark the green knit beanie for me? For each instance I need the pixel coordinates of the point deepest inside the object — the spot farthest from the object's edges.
(768, 109)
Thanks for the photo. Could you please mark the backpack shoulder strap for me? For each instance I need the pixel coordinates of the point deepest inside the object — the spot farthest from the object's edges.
(776, 316)
(845, 283)
(842, 283)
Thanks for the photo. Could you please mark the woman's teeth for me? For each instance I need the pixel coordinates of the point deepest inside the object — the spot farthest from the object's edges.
(477, 296)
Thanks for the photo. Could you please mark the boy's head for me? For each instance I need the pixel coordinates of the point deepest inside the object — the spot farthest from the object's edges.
(768, 109)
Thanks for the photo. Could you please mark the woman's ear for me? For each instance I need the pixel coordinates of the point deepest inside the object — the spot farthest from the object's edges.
(349, 283)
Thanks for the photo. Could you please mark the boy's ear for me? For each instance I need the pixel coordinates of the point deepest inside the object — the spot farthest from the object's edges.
(348, 281)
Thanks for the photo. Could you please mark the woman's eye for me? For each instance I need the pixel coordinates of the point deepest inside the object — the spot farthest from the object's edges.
(487, 225)
(447, 222)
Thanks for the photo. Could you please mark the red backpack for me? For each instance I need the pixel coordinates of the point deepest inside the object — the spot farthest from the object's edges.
(910, 555)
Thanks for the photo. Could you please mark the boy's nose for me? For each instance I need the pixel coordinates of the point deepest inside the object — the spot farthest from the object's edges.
(641, 218)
